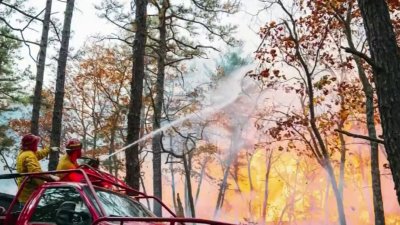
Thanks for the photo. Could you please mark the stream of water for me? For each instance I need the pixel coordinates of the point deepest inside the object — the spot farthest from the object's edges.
(228, 90)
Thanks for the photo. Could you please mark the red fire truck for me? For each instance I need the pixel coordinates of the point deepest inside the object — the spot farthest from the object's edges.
(99, 199)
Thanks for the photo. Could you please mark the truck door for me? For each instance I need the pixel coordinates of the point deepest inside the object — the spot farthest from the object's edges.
(59, 206)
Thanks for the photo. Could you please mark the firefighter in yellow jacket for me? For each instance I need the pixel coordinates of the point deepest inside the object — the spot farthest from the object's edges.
(28, 162)
(68, 161)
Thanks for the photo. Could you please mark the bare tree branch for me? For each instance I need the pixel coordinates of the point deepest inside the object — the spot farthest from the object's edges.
(380, 141)
(22, 12)
(18, 39)
(363, 56)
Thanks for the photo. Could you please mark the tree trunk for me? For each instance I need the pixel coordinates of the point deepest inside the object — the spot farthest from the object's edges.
(189, 186)
(84, 129)
(95, 120)
(144, 191)
(203, 170)
(292, 197)
(369, 111)
(171, 167)
(158, 106)
(326, 163)
(135, 103)
(369, 108)
(94, 143)
(386, 57)
(326, 200)
(365, 183)
(231, 157)
(222, 188)
(55, 138)
(111, 150)
(250, 183)
(179, 211)
(37, 98)
(375, 173)
(323, 155)
(113, 139)
(266, 191)
(342, 161)
(116, 166)
(84, 140)
(336, 192)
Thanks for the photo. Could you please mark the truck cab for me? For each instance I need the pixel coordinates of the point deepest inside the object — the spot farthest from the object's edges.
(73, 203)
(85, 203)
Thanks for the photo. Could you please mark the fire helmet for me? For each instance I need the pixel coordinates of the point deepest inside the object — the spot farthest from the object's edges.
(29, 141)
(73, 144)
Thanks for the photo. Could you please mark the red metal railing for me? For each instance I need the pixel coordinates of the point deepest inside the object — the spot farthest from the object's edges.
(159, 201)
(40, 176)
(104, 177)
(171, 221)
(120, 184)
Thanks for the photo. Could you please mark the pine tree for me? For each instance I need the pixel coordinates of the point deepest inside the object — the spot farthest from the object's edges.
(9, 89)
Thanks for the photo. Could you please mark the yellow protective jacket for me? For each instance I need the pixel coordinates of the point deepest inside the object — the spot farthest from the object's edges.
(28, 162)
(65, 163)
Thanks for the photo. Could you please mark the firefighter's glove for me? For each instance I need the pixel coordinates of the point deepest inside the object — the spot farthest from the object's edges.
(55, 149)
(54, 178)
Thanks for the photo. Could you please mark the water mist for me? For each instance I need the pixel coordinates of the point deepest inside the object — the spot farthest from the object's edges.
(227, 91)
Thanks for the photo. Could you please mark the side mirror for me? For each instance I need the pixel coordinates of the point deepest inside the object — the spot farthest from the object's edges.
(2, 210)
(65, 213)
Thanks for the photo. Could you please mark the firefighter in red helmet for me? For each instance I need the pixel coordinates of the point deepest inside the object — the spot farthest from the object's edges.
(68, 161)
(28, 162)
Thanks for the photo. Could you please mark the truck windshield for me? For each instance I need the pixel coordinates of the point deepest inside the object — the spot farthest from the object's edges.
(119, 205)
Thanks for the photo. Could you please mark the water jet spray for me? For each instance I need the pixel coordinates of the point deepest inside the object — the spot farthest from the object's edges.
(228, 91)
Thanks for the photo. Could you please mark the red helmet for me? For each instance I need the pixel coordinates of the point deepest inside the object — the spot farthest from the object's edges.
(73, 144)
(30, 142)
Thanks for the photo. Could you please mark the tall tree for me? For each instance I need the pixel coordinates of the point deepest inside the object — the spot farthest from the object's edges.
(370, 115)
(268, 163)
(158, 103)
(348, 24)
(9, 88)
(168, 44)
(300, 44)
(234, 147)
(171, 48)
(97, 99)
(40, 66)
(385, 61)
(55, 138)
(135, 103)
(8, 79)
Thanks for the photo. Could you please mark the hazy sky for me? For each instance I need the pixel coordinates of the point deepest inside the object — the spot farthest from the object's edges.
(86, 24)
